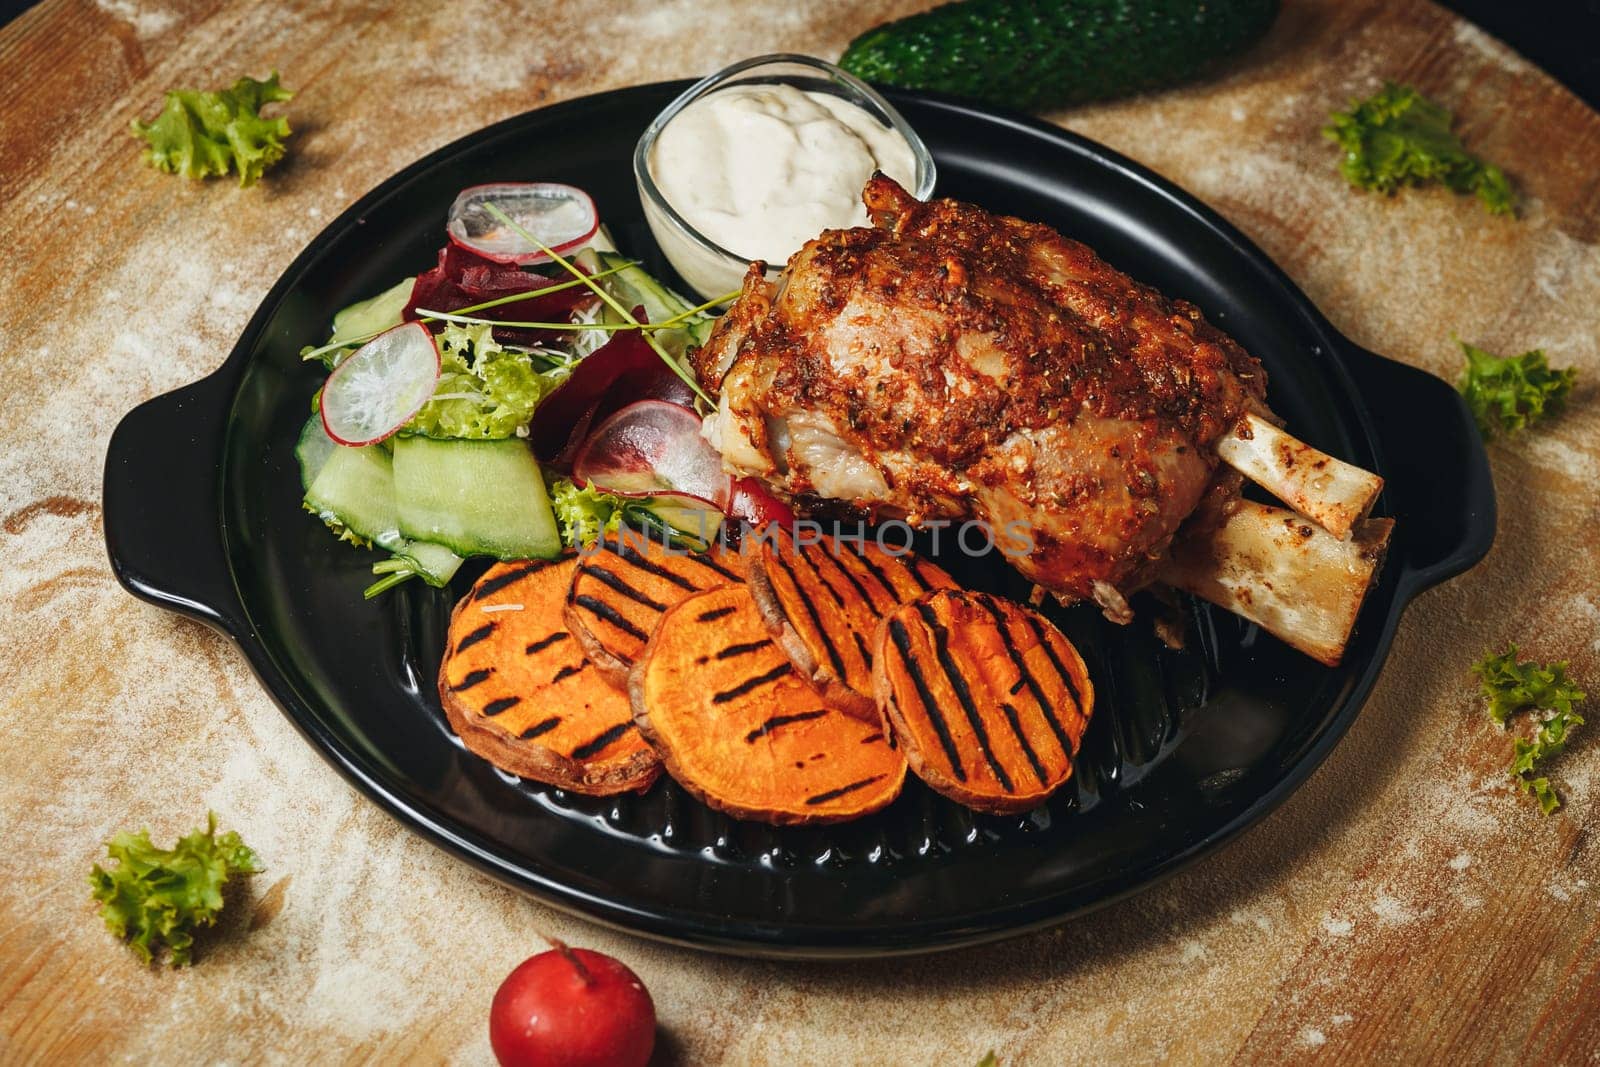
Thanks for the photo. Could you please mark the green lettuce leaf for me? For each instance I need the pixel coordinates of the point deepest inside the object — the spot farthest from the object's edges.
(485, 390)
(1549, 740)
(584, 514)
(155, 896)
(1399, 137)
(1509, 393)
(201, 134)
(1510, 686)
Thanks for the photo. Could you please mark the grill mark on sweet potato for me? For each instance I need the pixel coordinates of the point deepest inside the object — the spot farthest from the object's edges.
(707, 561)
(630, 552)
(811, 614)
(545, 642)
(811, 565)
(532, 706)
(620, 591)
(743, 648)
(616, 582)
(746, 732)
(861, 647)
(497, 707)
(751, 684)
(1022, 739)
(568, 671)
(977, 651)
(473, 678)
(847, 562)
(783, 720)
(1027, 679)
(914, 568)
(882, 578)
(540, 728)
(930, 707)
(1055, 661)
(836, 559)
(843, 790)
(958, 683)
(480, 634)
(590, 749)
(511, 577)
(600, 609)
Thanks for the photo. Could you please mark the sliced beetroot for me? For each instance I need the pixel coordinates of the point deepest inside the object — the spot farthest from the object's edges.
(620, 372)
(562, 217)
(462, 278)
(653, 447)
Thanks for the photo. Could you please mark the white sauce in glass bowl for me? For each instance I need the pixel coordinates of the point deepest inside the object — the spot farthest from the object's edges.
(762, 169)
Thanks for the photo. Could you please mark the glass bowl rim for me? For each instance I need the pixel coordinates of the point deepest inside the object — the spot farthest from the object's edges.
(926, 172)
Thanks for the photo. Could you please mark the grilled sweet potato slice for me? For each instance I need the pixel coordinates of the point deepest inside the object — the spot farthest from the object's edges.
(985, 697)
(519, 691)
(621, 589)
(743, 731)
(823, 599)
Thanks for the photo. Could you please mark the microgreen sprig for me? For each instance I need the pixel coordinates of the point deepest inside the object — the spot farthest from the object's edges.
(499, 301)
(627, 315)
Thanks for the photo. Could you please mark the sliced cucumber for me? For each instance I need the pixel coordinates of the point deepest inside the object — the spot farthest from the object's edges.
(477, 498)
(434, 564)
(632, 285)
(698, 526)
(355, 490)
(313, 449)
(367, 317)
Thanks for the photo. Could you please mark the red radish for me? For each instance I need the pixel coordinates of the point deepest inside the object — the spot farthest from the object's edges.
(623, 370)
(380, 385)
(653, 447)
(571, 1007)
(561, 216)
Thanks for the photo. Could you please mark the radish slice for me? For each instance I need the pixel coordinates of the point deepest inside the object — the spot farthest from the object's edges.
(622, 371)
(559, 215)
(653, 447)
(376, 390)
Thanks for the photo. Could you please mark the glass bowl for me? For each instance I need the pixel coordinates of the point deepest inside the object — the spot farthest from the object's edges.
(708, 267)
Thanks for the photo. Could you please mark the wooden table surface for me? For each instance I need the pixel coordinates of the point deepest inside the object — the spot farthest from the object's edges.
(1406, 905)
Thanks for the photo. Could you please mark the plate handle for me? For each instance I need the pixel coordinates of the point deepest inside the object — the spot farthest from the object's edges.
(1438, 484)
(163, 504)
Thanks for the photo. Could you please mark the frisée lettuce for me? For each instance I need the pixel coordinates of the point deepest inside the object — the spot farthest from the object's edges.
(486, 391)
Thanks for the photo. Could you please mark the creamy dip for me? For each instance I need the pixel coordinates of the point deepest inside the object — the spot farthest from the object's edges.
(762, 169)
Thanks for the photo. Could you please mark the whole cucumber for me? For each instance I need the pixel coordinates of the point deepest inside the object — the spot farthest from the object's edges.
(1040, 54)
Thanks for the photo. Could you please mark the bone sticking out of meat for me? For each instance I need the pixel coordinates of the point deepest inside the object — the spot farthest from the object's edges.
(1294, 579)
(951, 364)
(1330, 492)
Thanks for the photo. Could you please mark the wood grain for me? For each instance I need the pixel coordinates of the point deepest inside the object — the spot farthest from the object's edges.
(1406, 905)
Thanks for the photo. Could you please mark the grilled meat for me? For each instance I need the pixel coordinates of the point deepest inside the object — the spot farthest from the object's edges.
(948, 363)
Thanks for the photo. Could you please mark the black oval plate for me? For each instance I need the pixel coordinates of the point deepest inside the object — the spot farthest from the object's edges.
(202, 514)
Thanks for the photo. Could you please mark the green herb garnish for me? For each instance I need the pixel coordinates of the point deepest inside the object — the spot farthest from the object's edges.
(585, 515)
(1510, 686)
(1508, 393)
(204, 134)
(155, 896)
(627, 316)
(1399, 137)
